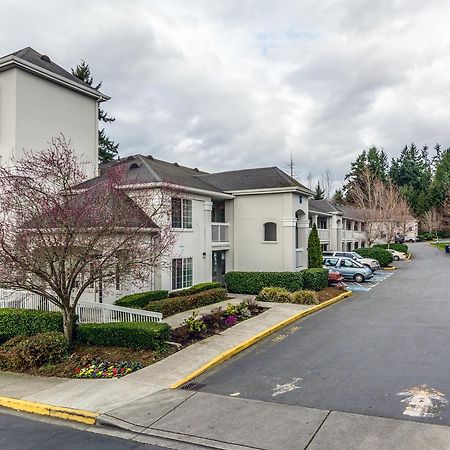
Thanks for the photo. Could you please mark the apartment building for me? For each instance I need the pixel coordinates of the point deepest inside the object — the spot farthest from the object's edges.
(40, 100)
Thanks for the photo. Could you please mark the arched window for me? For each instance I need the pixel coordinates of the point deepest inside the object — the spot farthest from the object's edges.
(270, 231)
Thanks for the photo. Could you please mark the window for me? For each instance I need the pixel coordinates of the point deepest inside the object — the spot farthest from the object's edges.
(346, 263)
(218, 211)
(349, 225)
(349, 246)
(181, 273)
(363, 244)
(270, 232)
(181, 213)
(300, 199)
(323, 224)
(324, 247)
(330, 262)
(362, 226)
(356, 245)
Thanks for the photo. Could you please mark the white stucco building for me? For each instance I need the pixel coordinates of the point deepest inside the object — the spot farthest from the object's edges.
(40, 100)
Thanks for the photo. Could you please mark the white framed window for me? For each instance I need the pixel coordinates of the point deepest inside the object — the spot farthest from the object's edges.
(323, 224)
(181, 213)
(324, 247)
(181, 273)
(270, 232)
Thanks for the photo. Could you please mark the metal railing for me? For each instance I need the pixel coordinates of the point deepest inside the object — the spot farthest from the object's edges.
(219, 232)
(88, 312)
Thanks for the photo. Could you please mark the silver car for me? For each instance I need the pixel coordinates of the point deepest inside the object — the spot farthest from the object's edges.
(349, 268)
(370, 263)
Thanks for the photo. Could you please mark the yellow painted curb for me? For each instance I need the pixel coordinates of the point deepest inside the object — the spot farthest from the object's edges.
(253, 340)
(390, 268)
(76, 415)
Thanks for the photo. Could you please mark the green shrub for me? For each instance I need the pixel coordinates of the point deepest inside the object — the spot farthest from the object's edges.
(253, 282)
(305, 297)
(40, 349)
(175, 305)
(315, 255)
(136, 335)
(397, 247)
(141, 299)
(201, 287)
(27, 322)
(274, 294)
(380, 254)
(315, 279)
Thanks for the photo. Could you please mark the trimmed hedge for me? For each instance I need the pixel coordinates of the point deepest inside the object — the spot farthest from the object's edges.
(253, 282)
(175, 305)
(141, 299)
(201, 287)
(136, 335)
(380, 254)
(315, 279)
(27, 322)
(397, 247)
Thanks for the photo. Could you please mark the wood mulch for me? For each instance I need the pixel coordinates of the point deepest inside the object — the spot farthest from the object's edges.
(328, 293)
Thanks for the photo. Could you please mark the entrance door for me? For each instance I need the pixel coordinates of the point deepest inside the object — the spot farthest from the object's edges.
(218, 266)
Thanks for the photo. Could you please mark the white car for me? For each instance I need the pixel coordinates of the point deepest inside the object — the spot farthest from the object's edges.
(370, 263)
(396, 255)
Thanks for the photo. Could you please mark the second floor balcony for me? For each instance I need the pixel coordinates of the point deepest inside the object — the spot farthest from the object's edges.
(220, 232)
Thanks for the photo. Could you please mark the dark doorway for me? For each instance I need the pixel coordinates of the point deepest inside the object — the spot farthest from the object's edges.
(218, 266)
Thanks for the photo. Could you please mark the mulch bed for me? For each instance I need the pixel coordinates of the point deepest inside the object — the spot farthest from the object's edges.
(84, 355)
(328, 293)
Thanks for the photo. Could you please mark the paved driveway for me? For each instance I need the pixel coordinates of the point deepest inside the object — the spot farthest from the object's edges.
(384, 353)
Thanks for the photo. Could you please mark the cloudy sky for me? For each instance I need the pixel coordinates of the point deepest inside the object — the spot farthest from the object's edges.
(226, 84)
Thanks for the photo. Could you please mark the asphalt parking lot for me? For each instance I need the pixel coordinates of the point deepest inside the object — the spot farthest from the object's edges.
(378, 277)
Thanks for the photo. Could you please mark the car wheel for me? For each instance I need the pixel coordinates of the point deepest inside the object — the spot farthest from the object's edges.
(396, 258)
(359, 278)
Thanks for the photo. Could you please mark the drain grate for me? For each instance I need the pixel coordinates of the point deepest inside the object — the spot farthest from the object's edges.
(192, 386)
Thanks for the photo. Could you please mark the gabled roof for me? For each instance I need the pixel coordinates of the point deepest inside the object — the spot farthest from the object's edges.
(248, 179)
(29, 59)
(89, 208)
(140, 169)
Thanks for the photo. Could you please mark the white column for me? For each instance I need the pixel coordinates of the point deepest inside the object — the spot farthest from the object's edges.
(289, 230)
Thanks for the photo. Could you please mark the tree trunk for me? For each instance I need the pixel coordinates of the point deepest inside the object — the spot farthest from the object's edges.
(68, 322)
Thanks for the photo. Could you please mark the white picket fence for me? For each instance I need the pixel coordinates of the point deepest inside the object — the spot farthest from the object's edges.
(88, 312)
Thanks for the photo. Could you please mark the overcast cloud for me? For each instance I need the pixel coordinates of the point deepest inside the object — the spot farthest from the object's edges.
(226, 84)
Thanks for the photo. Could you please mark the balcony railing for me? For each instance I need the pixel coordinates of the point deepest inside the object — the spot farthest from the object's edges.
(324, 234)
(219, 232)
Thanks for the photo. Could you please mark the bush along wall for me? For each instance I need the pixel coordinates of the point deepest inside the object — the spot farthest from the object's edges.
(141, 299)
(380, 254)
(253, 282)
(27, 322)
(315, 279)
(397, 247)
(136, 335)
(175, 305)
(201, 287)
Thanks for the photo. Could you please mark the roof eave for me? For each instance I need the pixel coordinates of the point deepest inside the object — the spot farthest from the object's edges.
(267, 190)
(10, 61)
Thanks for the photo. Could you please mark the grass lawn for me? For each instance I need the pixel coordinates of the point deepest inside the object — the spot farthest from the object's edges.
(440, 245)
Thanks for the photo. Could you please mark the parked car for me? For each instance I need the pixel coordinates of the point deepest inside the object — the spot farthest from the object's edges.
(412, 239)
(349, 268)
(370, 263)
(396, 255)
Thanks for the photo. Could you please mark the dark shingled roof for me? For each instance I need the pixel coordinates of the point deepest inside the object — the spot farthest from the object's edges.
(32, 56)
(146, 169)
(260, 178)
(324, 206)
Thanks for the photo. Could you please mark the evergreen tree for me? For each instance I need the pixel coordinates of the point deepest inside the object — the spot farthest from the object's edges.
(412, 173)
(315, 255)
(107, 148)
(338, 197)
(319, 192)
(440, 187)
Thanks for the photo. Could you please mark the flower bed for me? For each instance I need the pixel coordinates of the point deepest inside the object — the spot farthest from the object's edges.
(89, 361)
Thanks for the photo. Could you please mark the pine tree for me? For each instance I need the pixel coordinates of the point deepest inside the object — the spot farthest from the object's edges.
(440, 187)
(107, 148)
(319, 192)
(338, 197)
(315, 255)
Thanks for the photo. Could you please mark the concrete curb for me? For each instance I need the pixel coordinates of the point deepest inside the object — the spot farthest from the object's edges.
(253, 340)
(75, 415)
